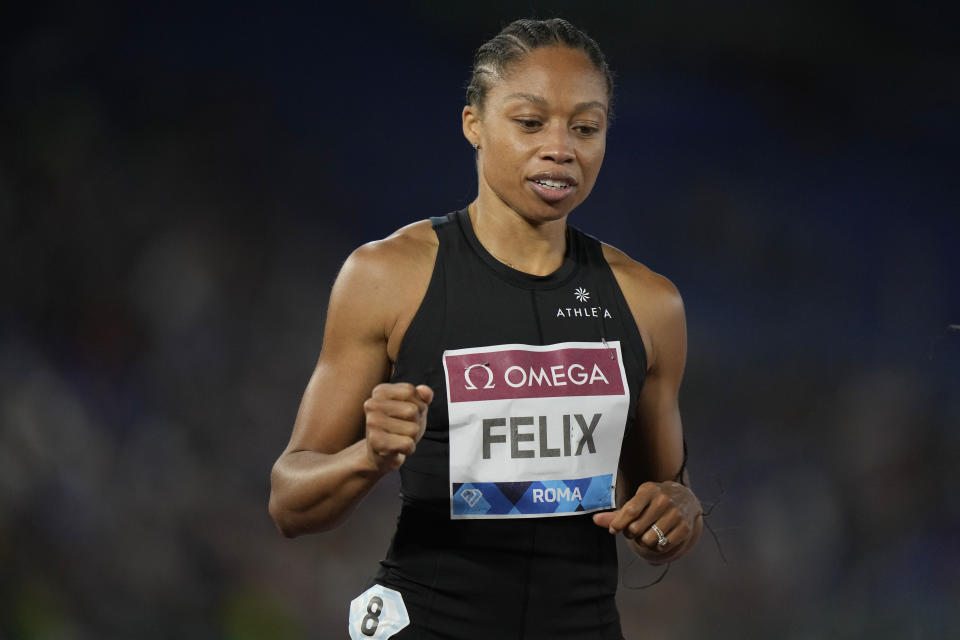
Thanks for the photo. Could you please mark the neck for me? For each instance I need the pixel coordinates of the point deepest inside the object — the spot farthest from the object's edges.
(534, 247)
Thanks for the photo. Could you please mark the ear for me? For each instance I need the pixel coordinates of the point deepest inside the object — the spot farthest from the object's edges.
(472, 126)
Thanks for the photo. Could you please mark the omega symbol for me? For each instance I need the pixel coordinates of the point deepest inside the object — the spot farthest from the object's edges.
(470, 385)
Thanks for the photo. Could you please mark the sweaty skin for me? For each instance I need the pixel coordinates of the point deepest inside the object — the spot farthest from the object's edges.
(541, 139)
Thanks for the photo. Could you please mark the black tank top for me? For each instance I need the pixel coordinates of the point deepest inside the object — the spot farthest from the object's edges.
(525, 578)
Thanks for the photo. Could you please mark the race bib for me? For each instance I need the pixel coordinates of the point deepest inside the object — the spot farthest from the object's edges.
(377, 614)
(535, 430)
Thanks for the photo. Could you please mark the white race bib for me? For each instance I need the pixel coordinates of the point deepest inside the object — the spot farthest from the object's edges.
(377, 614)
(535, 430)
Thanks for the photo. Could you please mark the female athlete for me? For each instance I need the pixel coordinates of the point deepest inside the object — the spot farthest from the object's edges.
(521, 375)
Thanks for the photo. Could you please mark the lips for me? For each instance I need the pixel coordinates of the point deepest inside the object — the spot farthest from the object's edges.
(552, 186)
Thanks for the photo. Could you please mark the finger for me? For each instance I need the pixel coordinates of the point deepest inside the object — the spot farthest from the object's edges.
(378, 422)
(660, 505)
(657, 514)
(667, 523)
(389, 462)
(400, 409)
(388, 444)
(425, 392)
(398, 391)
(604, 519)
(678, 534)
(635, 507)
(626, 514)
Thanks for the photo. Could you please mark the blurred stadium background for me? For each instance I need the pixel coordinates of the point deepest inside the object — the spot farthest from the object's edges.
(179, 183)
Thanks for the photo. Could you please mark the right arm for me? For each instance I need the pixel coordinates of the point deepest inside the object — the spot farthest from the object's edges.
(352, 429)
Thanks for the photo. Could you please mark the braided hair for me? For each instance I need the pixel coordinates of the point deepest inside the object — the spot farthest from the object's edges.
(519, 38)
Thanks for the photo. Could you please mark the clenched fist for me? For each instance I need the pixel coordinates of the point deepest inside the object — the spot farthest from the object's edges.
(396, 415)
(661, 516)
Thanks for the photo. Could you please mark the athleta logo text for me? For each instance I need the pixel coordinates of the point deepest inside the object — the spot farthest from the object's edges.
(583, 312)
(582, 295)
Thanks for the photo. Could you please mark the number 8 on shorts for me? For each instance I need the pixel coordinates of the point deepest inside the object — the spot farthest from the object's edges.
(377, 614)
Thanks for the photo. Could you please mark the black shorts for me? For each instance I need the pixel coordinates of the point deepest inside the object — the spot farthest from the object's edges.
(524, 579)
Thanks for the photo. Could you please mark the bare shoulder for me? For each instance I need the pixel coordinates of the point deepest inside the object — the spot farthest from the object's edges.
(639, 281)
(653, 299)
(386, 280)
(390, 266)
(403, 253)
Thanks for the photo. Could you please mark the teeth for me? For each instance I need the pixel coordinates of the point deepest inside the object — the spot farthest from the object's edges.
(553, 184)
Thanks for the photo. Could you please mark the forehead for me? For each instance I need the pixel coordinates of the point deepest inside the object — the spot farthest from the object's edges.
(557, 73)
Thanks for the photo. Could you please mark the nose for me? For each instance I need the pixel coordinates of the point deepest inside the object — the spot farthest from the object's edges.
(557, 146)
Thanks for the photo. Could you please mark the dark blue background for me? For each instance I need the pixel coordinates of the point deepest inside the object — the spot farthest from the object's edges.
(180, 183)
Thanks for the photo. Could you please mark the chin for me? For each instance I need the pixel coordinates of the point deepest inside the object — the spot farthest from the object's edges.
(550, 211)
(558, 211)
(536, 210)
(542, 213)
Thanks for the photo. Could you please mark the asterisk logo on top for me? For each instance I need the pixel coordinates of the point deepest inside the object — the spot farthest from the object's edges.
(581, 294)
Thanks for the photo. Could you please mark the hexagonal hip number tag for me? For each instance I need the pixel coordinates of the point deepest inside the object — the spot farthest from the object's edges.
(377, 614)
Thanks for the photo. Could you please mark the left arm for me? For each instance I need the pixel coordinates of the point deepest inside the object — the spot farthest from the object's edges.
(651, 488)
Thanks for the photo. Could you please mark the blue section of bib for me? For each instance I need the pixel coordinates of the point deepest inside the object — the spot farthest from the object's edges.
(489, 499)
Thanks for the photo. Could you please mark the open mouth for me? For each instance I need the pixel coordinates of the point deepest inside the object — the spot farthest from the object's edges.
(552, 186)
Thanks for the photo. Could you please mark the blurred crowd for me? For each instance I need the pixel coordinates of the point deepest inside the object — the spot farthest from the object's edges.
(179, 186)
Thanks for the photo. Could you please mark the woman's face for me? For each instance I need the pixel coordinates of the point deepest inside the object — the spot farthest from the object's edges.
(542, 133)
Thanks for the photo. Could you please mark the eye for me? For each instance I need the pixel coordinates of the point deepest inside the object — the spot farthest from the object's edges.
(587, 130)
(527, 124)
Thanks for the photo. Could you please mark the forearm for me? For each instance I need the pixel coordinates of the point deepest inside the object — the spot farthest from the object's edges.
(313, 491)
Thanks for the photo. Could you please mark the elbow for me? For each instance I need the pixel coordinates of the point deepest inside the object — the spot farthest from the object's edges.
(289, 520)
(281, 518)
(296, 510)
(291, 523)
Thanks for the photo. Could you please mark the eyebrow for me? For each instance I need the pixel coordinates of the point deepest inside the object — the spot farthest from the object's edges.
(542, 102)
